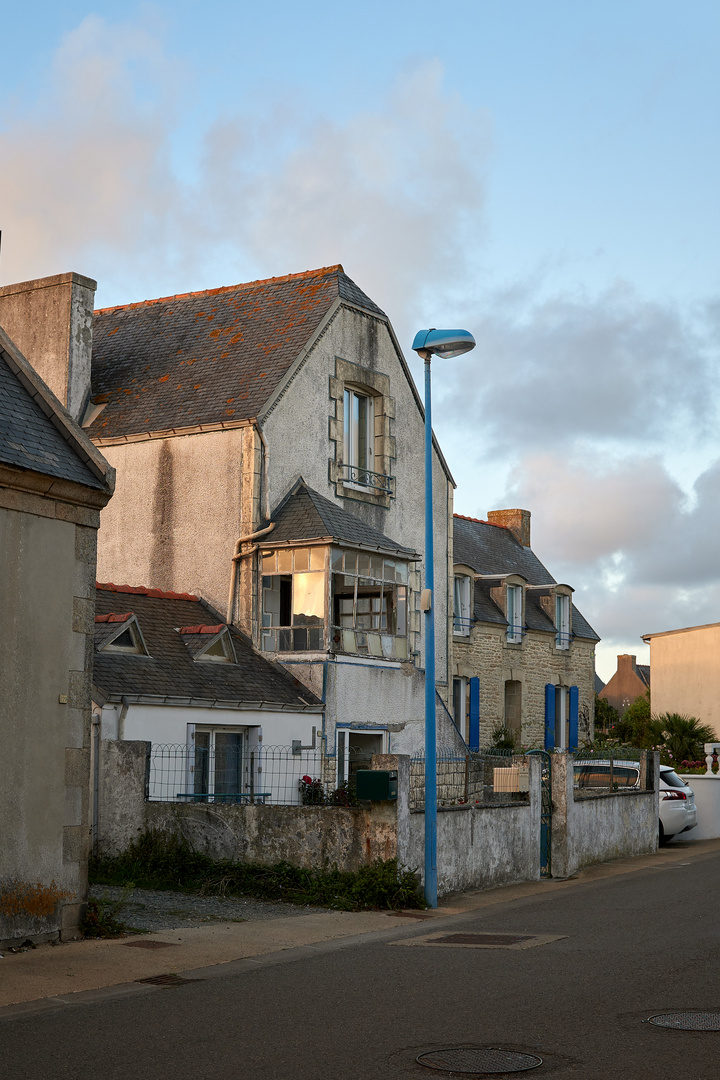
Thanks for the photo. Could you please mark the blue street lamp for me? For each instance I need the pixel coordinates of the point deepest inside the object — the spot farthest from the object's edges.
(426, 343)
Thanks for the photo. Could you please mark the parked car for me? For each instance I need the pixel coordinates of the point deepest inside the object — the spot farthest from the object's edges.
(678, 812)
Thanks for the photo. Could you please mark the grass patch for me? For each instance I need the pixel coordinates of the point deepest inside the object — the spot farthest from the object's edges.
(160, 861)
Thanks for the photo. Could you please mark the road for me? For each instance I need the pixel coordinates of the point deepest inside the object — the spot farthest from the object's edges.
(627, 947)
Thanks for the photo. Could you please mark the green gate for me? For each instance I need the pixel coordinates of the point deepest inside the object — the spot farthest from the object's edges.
(545, 813)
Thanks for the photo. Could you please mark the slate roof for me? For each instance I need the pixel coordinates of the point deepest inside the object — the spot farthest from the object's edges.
(305, 515)
(30, 440)
(169, 670)
(643, 671)
(493, 550)
(599, 684)
(207, 357)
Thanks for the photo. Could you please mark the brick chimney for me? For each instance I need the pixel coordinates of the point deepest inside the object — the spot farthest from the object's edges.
(50, 321)
(627, 664)
(517, 521)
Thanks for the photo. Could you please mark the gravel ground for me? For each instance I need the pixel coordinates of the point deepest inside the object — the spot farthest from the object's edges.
(150, 909)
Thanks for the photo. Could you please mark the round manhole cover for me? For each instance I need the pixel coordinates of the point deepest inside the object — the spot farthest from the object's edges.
(688, 1021)
(486, 1060)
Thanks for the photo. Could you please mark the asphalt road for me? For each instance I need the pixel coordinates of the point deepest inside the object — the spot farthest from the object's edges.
(630, 947)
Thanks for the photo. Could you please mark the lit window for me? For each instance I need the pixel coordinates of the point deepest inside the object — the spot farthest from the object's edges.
(462, 617)
(514, 614)
(293, 600)
(562, 622)
(359, 438)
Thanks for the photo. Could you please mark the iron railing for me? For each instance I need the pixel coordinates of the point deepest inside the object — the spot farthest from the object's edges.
(352, 474)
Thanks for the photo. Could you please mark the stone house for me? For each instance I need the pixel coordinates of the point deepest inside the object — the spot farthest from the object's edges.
(268, 443)
(627, 684)
(53, 485)
(524, 656)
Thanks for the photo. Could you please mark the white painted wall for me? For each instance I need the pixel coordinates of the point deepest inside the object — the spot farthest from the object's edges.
(167, 724)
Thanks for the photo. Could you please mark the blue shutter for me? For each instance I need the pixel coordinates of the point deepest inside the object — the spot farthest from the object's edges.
(474, 714)
(549, 716)
(574, 713)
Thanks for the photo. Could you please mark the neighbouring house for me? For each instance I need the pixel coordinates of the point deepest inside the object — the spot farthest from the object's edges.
(53, 485)
(686, 673)
(170, 671)
(630, 682)
(524, 656)
(268, 440)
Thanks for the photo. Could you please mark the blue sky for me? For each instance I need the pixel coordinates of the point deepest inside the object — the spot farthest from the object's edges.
(545, 174)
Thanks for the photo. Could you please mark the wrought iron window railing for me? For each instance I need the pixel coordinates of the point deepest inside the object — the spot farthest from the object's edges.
(379, 482)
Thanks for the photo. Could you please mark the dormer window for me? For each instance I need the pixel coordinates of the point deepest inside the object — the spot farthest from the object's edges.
(514, 614)
(462, 615)
(211, 644)
(119, 634)
(562, 621)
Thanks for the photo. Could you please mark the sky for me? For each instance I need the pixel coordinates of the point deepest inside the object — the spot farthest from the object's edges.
(542, 174)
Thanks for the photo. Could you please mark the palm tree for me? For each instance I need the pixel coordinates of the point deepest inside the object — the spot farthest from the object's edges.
(683, 736)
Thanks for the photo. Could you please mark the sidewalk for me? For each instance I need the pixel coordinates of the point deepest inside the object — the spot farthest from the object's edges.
(64, 970)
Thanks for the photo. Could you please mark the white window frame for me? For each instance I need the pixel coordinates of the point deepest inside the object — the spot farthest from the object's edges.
(461, 605)
(352, 455)
(562, 621)
(343, 737)
(515, 614)
(212, 730)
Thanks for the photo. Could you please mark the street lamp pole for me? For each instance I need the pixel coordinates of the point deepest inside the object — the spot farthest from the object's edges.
(443, 343)
(429, 620)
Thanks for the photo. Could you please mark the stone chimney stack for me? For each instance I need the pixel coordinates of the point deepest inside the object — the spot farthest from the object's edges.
(517, 521)
(50, 321)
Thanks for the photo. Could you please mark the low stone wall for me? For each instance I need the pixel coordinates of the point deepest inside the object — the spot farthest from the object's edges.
(308, 836)
(601, 827)
(707, 799)
(481, 846)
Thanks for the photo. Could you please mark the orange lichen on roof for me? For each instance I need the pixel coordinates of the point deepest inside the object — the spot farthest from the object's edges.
(143, 590)
(112, 617)
(479, 521)
(202, 629)
(307, 275)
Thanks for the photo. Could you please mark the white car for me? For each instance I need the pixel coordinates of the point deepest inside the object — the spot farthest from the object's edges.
(678, 812)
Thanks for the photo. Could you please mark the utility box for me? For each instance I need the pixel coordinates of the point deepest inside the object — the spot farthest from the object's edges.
(376, 784)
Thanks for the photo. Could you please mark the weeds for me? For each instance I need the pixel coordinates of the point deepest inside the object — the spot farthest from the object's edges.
(101, 916)
(160, 861)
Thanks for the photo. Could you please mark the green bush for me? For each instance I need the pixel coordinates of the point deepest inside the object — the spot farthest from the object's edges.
(158, 860)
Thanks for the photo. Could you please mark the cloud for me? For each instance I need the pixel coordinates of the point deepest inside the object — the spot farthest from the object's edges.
(89, 180)
(610, 367)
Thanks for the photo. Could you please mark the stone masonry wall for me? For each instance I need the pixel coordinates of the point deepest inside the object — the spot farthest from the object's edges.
(487, 655)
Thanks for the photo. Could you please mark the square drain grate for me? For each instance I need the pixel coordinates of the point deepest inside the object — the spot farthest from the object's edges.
(167, 980)
(480, 940)
(150, 944)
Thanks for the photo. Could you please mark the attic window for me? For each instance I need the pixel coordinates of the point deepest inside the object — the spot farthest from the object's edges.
(128, 641)
(220, 650)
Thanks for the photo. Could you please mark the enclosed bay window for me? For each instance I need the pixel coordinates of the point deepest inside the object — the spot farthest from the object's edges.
(562, 621)
(462, 612)
(356, 604)
(514, 614)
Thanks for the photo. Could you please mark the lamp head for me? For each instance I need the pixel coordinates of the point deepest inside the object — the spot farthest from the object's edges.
(442, 342)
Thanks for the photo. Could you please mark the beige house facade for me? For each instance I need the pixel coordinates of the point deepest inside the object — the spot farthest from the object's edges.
(524, 656)
(53, 485)
(685, 667)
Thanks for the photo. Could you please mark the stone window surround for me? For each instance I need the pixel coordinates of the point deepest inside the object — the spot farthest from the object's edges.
(377, 386)
(461, 570)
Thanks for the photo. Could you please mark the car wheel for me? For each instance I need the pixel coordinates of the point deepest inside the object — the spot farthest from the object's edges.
(662, 838)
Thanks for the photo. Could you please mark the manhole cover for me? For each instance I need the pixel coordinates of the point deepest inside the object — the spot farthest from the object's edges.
(409, 915)
(167, 980)
(688, 1021)
(150, 944)
(489, 1060)
(482, 939)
